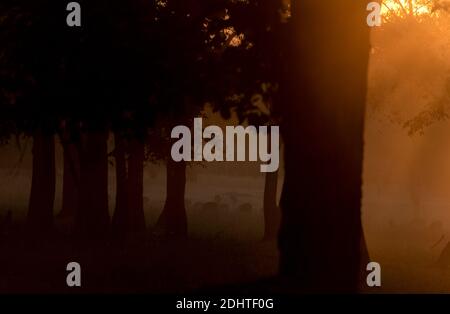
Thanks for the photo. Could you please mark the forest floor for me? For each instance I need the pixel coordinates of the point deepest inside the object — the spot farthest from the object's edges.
(149, 266)
(155, 265)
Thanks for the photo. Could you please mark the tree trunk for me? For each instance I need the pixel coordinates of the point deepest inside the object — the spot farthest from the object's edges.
(173, 220)
(93, 216)
(120, 213)
(365, 259)
(271, 210)
(272, 214)
(129, 213)
(71, 177)
(320, 235)
(42, 196)
(136, 186)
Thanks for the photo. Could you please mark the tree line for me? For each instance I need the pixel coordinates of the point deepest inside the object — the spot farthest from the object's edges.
(136, 69)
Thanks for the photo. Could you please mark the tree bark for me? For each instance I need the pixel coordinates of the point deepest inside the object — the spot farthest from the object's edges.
(93, 217)
(173, 220)
(42, 196)
(320, 235)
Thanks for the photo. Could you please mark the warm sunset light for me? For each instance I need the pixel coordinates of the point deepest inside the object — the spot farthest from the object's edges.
(403, 8)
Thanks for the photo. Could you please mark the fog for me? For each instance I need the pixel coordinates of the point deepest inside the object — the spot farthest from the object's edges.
(406, 204)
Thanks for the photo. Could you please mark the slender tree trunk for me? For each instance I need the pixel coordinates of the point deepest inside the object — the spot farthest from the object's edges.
(42, 196)
(320, 235)
(93, 216)
(272, 213)
(71, 177)
(173, 220)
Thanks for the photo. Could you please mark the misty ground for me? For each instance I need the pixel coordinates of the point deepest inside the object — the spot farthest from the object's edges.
(406, 218)
(153, 266)
(224, 247)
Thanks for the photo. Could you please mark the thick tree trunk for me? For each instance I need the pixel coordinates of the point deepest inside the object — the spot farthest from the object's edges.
(136, 186)
(271, 211)
(173, 220)
(93, 216)
(320, 235)
(365, 259)
(42, 196)
(71, 177)
(129, 213)
(120, 212)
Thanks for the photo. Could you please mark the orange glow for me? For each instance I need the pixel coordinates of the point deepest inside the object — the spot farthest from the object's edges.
(403, 8)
